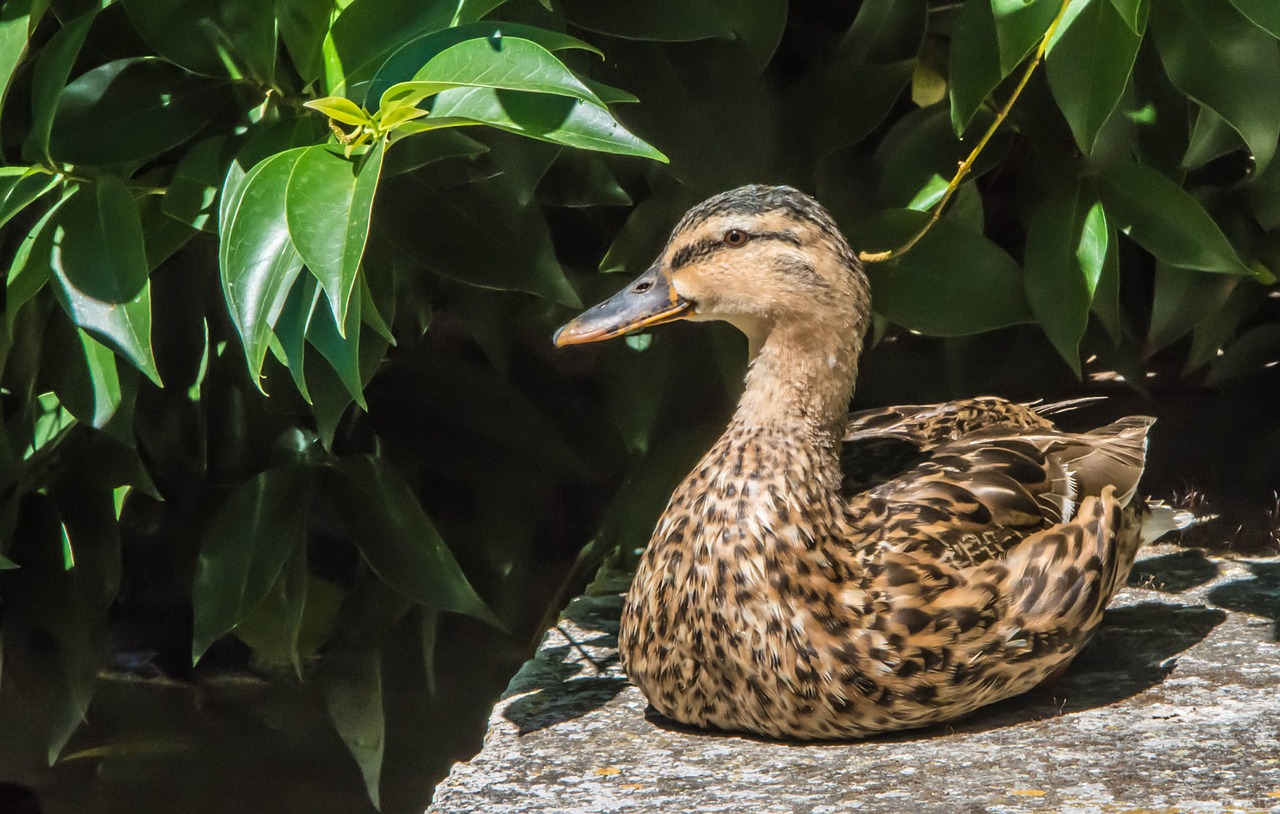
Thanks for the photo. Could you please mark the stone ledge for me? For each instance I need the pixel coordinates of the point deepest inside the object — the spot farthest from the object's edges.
(1174, 707)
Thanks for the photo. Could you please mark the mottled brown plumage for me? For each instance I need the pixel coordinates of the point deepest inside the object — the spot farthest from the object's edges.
(822, 575)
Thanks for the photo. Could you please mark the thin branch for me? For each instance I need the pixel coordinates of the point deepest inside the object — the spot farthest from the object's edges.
(967, 164)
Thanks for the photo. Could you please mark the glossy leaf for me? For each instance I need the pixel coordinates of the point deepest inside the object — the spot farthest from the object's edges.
(975, 61)
(101, 394)
(1216, 56)
(19, 188)
(245, 548)
(1166, 221)
(558, 119)
(1089, 67)
(1020, 25)
(14, 24)
(235, 38)
(1263, 13)
(368, 32)
(99, 265)
(257, 257)
(328, 204)
(339, 109)
(954, 282)
(1066, 247)
(192, 195)
(397, 539)
(129, 110)
(409, 58)
(52, 70)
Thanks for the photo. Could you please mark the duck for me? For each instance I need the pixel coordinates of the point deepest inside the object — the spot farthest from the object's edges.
(822, 575)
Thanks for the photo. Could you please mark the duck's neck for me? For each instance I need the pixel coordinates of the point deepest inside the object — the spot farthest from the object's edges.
(801, 378)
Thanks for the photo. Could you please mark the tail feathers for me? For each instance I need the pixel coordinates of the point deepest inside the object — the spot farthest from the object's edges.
(1163, 518)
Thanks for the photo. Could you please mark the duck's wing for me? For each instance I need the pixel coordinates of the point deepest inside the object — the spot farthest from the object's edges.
(971, 499)
(883, 443)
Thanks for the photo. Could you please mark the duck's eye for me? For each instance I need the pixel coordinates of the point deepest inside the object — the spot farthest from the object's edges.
(735, 238)
(643, 286)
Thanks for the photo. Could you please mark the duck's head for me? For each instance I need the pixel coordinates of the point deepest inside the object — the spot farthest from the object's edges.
(756, 257)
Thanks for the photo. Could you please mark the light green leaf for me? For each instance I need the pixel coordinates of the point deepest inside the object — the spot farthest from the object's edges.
(558, 119)
(245, 547)
(131, 109)
(1066, 247)
(339, 109)
(15, 21)
(397, 539)
(954, 281)
(53, 67)
(1217, 57)
(328, 205)
(1165, 220)
(104, 381)
(19, 188)
(256, 255)
(99, 264)
(1089, 67)
(1020, 25)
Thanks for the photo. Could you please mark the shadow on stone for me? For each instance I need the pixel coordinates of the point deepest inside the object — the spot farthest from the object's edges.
(1174, 573)
(1135, 649)
(1259, 594)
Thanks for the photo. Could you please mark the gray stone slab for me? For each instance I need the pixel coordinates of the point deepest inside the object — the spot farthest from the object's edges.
(1174, 707)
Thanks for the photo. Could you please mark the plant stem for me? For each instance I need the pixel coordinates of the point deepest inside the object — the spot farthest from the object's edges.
(967, 164)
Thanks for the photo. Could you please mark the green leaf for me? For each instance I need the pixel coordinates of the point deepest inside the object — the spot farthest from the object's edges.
(99, 266)
(1255, 350)
(1089, 67)
(15, 21)
(340, 345)
(1263, 13)
(229, 38)
(1216, 56)
(256, 255)
(397, 539)
(31, 267)
(353, 692)
(558, 119)
(1165, 220)
(339, 109)
(414, 54)
(1106, 296)
(1133, 12)
(303, 25)
(406, 155)
(19, 188)
(1182, 300)
(292, 326)
(246, 544)
(95, 396)
(1066, 247)
(52, 70)
(130, 110)
(954, 282)
(975, 61)
(1020, 25)
(192, 195)
(328, 204)
(368, 32)
(274, 627)
(508, 63)
(1211, 138)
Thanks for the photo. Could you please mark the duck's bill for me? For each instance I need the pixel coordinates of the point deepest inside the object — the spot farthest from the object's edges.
(648, 300)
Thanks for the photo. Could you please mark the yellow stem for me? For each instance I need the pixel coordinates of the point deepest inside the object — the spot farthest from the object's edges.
(967, 164)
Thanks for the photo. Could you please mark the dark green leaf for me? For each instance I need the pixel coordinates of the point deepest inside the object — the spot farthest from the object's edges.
(19, 187)
(1089, 66)
(31, 267)
(1020, 25)
(15, 20)
(1106, 297)
(1182, 300)
(292, 326)
(1215, 330)
(327, 206)
(397, 539)
(1165, 220)
(100, 269)
(274, 627)
(340, 346)
(368, 32)
(131, 109)
(1066, 247)
(52, 70)
(258, 260)
(1133, 12)
(303, 25)
(235, 38)
(1217, 57)
(89, 385)
(954, 282)
(404, 155)
(192, 196)
(353, 691)
(245, 547)
(1211, 138)
(1263, 13)
(1257, 349)
(975, 61)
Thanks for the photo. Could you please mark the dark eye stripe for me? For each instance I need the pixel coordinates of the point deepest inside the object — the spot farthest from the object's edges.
(708, 246)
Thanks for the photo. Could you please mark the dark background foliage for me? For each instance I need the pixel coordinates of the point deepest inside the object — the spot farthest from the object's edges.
(204, 203)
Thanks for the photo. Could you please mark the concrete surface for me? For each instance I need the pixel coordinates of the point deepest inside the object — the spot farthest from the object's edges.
(1174, 707)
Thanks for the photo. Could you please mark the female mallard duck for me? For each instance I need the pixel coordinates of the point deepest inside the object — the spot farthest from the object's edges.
(797, 585)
